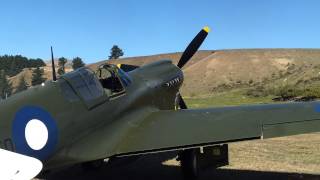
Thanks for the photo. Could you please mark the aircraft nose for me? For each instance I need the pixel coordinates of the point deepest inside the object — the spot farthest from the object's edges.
(176, 80)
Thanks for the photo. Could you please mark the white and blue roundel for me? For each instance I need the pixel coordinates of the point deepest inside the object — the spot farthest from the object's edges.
(34, 132)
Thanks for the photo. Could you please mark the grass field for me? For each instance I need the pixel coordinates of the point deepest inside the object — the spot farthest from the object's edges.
(299, 153)
(230, 98)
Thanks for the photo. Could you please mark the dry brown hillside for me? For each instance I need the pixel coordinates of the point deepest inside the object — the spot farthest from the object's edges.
(235, 68)
(217, 70)
(211, 71)
(27, 74)
(141, 60)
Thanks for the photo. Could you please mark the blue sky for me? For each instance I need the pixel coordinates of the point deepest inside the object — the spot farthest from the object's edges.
(88, 28)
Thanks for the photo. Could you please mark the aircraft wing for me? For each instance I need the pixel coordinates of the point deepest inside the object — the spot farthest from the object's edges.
(15, 166)
(165, 130)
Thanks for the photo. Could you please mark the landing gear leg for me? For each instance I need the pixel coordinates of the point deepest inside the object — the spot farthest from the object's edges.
(189, 163)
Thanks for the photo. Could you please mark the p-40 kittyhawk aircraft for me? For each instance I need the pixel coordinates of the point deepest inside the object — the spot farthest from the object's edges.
(84, 117)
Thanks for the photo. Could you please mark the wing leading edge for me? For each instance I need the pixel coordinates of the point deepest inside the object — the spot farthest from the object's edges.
(165, 130)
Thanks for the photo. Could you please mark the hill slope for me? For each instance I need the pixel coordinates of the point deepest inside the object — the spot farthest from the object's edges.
(229, 69)
(141, 60)
(209, 72)
(215, 71)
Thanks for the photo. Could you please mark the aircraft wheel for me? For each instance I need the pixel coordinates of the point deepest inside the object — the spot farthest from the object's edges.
(189, 164)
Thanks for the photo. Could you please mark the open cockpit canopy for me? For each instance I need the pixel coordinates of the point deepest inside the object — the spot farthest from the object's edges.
(95, 87)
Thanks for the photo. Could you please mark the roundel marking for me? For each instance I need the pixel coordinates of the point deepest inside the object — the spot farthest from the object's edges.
(34, 132)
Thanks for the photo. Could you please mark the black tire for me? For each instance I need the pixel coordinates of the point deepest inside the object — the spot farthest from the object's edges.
(189, 164)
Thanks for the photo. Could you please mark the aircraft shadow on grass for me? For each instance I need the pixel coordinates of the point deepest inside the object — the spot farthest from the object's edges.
(151, 167)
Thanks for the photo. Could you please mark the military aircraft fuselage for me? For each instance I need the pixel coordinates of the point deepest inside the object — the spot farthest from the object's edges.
(62, 114)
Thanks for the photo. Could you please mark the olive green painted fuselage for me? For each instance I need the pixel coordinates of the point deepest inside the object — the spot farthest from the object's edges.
(149, 89)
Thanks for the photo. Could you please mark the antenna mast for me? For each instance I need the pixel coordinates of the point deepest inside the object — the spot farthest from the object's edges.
(54, 76)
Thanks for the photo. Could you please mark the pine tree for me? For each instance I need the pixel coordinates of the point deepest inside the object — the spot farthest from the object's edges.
(5, 85)
(22, 85)
(115, 52)
(61, 62)
(37, 76)
(15, 64)
(77, 63)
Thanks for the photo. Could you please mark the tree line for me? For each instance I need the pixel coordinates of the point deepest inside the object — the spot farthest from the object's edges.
(6, 88)
(13, 65)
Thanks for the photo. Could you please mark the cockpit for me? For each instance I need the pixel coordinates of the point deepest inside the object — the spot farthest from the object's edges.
(107, 82)
(113, 79)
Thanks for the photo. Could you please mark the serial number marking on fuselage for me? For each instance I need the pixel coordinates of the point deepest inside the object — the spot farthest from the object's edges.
(7, 144)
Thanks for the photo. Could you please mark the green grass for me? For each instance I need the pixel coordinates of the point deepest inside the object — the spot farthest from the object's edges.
(230, 98)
